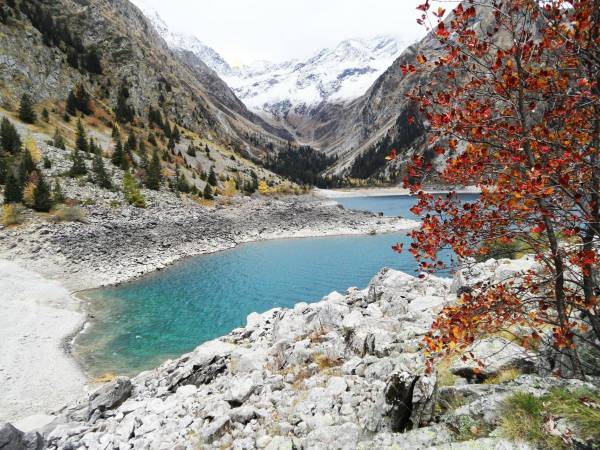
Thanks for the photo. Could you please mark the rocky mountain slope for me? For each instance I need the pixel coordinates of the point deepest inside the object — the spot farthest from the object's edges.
(46, 52)
(292, 93)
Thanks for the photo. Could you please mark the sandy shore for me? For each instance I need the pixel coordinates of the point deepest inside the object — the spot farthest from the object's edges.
(381, 192)
(36, 374)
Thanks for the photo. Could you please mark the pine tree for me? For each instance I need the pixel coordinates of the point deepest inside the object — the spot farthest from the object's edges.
(132, 142)
(81, 142)
(208, 193)
(9, 137)
(71, 106)
(58, 141)
(101, 178)
(26, 112)
(123, 111)
(92, 62)
(41, 196)
(212, 177)
(153, 176)
(78, 168)
(57, 194)
(3, 168)
(118, 154)
(13, 191)
(191, 151)
(26, 166)
(171, 144)
(45, 115)
(176, 135)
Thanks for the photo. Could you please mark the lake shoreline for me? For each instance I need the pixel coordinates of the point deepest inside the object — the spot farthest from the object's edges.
(389, 191)
(52, 252)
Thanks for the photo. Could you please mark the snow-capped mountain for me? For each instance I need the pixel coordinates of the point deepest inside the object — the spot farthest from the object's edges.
(290, 91)
(182, 41)
(333, 75)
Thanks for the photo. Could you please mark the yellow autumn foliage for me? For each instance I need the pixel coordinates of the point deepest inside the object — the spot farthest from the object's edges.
(263, 187)
(30, 145)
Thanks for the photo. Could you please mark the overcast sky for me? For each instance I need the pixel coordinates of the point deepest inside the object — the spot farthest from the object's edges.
(243, 31)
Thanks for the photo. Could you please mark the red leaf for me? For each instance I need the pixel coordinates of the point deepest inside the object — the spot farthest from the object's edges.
(424, 6)
(398, 247)
(441, 31)
(393, 155)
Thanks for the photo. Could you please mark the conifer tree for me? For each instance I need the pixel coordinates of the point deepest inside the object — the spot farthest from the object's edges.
(132, 142)
(45, 115)
(123, 111)
(57, 194)
(81, 141)
(191, 151)
(92, 62)
(10, 140)
(26, 112)
(78, 168)
(212, 177)
(153, 176)
(3, 169)
(58, 141)
(41, 196)
(171, 144)
(26, 166)
(208, 193)
(13, 191)
(71, 106)
(101, 177)
(176, 135)
(118, 153)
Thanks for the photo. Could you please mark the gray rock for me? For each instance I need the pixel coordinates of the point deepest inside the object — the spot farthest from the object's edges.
(496, 354)
(13, 439)
(110, 396)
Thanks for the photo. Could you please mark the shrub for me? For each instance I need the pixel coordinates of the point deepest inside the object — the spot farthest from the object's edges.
(524, 416)
(65, 213)
(12, 215)
(503, 376)
(132, 192)
(497, 249)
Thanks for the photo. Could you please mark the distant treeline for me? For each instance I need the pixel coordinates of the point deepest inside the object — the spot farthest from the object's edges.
(408, 128)
(303, 165)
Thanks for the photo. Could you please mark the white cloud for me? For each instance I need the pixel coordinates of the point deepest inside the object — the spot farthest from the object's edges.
(248, 30)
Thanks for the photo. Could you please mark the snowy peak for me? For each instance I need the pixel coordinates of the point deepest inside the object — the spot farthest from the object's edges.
(183, 41)
(334, 75)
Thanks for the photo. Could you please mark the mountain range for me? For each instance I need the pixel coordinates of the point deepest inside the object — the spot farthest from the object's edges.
(291, 93)
(347, 103)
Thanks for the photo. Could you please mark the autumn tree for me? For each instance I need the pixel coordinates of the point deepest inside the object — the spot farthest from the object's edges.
(513, 106)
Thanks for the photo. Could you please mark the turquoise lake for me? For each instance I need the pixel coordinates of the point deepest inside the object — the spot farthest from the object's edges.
(138, 325)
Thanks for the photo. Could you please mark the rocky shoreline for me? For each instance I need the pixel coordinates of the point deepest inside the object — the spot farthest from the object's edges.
(342, 373)
(113, 246)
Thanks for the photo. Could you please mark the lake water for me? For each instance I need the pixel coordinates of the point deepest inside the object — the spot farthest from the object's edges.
(140, 324)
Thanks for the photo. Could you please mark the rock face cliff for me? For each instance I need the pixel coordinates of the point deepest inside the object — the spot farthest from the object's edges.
(343, 373)
(47, 47)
